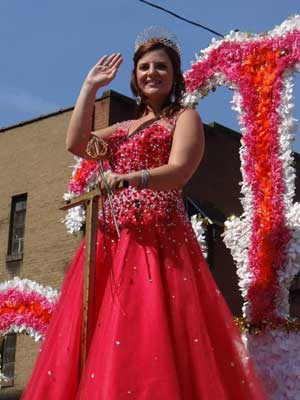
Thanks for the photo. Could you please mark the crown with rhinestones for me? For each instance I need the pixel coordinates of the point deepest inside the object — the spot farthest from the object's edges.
(157, 34)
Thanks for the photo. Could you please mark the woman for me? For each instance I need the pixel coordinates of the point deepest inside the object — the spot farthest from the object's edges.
(161, 329)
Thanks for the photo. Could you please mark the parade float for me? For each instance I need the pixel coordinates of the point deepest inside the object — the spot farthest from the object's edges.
(265, 240)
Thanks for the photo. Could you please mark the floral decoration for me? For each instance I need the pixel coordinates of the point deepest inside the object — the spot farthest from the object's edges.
(265, 239)
(259, 68)
(199, 225)
(276, 353)
(26, 307)
(84, 177)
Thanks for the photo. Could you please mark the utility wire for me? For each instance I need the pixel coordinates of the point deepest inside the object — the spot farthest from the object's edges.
(182, 18)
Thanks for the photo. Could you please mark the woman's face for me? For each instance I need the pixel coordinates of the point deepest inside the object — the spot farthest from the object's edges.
(154, 75)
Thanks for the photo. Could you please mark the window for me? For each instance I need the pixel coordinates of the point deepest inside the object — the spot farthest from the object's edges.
(294, 298)
(8, 356)
(296, 282)
(17, 227)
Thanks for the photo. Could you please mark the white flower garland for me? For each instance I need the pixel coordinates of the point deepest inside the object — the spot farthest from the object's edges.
(199, 225)
(276, 354)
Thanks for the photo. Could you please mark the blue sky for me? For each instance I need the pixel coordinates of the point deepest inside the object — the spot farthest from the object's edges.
(47, 47)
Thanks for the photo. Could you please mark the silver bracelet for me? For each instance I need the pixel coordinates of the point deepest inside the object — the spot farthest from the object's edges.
(145, 175)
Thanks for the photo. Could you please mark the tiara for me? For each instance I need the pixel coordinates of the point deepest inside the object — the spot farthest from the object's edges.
(157, 34)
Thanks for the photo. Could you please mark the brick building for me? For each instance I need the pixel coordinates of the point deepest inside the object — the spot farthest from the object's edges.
(33, 176)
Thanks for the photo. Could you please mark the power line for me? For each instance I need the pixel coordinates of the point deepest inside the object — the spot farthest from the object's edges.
(182, 18)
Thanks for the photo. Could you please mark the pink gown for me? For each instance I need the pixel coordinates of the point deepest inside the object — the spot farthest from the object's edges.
(162, 330)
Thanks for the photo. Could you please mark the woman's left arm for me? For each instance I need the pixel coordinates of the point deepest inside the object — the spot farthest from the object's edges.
(185, 156)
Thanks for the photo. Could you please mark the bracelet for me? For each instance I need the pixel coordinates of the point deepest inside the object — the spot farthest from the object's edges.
(96, 147)
(145, 175)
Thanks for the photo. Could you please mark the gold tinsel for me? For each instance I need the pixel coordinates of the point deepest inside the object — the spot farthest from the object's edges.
(288, 324)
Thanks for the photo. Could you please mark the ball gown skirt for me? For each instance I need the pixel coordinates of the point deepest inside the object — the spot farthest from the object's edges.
(161, 328)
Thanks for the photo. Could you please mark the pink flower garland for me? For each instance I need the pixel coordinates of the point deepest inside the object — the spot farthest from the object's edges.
(82, 173)
(26, 306)
(255, 68)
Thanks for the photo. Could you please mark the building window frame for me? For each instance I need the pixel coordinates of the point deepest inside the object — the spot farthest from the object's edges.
(8, 359)
(17, 227)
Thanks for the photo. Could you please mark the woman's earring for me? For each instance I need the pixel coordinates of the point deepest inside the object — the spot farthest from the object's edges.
(172, 95)
(138, 100)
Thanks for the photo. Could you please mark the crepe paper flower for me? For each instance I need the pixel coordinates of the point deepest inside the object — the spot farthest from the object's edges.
(259, 68)
(26, 307)
(74, 219)
(265, 239)
(199, 225)
(84, 177)
(83, 174)
(276, 354)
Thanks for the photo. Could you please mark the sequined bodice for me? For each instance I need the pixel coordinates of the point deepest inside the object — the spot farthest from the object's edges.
(149, 148)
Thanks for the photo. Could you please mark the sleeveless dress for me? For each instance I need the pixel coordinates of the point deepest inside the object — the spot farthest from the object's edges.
(161, 328)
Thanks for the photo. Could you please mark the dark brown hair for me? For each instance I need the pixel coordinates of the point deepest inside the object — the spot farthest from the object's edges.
(168, 108)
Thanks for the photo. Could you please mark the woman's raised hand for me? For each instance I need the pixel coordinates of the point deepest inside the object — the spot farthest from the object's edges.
(104, 71)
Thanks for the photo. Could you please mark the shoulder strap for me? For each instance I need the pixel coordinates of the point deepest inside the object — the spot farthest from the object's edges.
(170, 123)
(174, 118)
(123, 125)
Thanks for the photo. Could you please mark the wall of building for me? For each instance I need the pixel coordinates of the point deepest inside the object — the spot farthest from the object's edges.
(34, 161)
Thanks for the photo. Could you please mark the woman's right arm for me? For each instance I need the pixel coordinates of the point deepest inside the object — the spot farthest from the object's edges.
(80, 126)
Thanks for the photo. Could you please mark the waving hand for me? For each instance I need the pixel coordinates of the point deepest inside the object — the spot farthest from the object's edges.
(105, 70)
